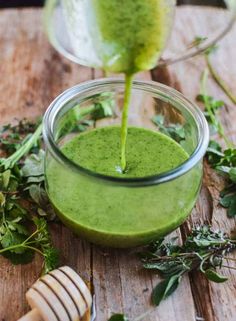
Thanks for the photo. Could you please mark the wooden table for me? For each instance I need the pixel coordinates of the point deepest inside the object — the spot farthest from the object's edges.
(32, 74)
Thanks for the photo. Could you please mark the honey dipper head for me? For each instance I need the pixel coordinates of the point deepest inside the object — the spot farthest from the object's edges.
(60, 295)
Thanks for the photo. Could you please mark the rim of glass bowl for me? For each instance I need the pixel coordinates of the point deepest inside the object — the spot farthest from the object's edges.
(156, 89)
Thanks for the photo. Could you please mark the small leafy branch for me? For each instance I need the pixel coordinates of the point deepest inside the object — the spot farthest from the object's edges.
(223, 161)
(204, 250)
(215, 75)
(24, 204)
(18, 242)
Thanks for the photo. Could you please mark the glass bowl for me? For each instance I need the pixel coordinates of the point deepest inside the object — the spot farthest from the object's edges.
(117, 211)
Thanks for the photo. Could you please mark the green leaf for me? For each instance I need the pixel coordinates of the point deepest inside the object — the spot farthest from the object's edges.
(34, 165)
(232, 174)
(35, 179)
(13, 185)
(165, 289)
(211, 49)
(6, 179)
(104, 104)
(11, 238)
(20, 228)
(38, 194)
(29, 142)
(22, 258)
(229, 201)
(51, 259)
(223, 169)
(2, 199)
(232, 209)
(198, 40)
(226, 200)
(118, 317)
(175, 131)
(169, 268)
(214, 276)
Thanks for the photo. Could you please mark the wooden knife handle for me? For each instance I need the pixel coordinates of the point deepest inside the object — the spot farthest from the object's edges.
(33, 315)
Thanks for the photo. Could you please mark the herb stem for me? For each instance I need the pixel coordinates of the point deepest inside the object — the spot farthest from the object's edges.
(203, 90)
(34, 249)
(31, 236)
(22, 245)
(219, 80)
(25, 148)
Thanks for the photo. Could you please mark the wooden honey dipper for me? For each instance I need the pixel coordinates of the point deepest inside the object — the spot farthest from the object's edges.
(60, 295)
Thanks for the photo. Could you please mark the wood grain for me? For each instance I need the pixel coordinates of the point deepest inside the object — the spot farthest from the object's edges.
(32, 74)
(213, 301)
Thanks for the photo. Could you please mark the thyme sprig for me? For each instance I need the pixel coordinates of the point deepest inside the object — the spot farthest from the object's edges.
(205, 250)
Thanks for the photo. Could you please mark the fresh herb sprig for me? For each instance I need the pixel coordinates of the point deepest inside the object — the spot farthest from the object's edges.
(22, 190)
(212, 108)
(215, 75)
(18, 242)
(223, 161)
(19, 246)
(203, 250)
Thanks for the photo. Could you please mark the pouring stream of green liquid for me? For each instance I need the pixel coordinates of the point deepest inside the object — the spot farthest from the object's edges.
(124, 122)
(128, 37)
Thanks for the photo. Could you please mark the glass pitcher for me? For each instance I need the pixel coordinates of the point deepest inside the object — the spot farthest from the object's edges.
(84, 30)
(117, 36)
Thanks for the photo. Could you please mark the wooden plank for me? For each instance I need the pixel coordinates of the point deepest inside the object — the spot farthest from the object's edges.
(213, 301)
(32, 74)
(129, 287)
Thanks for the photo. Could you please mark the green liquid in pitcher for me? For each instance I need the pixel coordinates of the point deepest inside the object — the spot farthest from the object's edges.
(129, 35)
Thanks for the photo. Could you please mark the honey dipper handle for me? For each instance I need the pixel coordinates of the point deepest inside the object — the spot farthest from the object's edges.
(33, 315)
